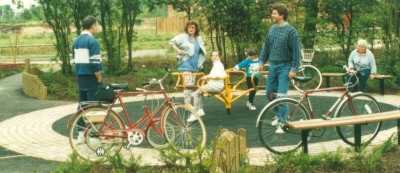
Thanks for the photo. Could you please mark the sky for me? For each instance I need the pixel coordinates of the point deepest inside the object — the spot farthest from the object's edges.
(27, 3)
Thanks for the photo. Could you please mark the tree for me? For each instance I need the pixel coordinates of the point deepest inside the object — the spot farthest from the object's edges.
(26, 15)
(58, 17)
(36, 12)
(240, 21)
(310, 23)
(6, 13)
(185, 6)
(112, 33)
(389, 20)
(345, 16)
(81, 9)
(130, 11)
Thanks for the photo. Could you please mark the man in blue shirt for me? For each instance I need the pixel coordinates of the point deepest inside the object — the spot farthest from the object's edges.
(282, 50)
(86, 51)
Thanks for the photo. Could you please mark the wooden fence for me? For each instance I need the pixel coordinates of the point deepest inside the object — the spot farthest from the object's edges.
(173, 24)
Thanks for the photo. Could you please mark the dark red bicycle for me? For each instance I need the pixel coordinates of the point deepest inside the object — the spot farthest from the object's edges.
(104, 131)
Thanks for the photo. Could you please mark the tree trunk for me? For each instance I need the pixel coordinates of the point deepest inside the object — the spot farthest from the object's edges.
(310, 24)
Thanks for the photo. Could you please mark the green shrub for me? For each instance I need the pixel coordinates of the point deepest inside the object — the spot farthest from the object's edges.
(74, 165)
(59, 86)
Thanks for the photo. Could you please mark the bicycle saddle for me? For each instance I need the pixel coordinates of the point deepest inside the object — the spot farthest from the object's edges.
(116, 86)
(302, 78)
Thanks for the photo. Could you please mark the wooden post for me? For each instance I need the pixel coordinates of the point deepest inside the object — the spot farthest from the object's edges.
(28, 65)
(304, 136)
(156, 25)
(382, 86)
(242, 144)
(398, 131)
(229, 151)
(357, 137)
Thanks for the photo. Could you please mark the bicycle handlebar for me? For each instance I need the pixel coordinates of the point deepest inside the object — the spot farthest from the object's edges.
(155, 81)
(353, 74)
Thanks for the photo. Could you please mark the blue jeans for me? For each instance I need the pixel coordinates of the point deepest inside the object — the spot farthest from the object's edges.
(87, 92)
(277, 87)
(363, 76)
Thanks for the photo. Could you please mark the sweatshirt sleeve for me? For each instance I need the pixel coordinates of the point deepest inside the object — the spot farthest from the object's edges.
(264, 51)
(95, 57)
(242, 64)
(294, 45)
(373, 63)
(350, 62)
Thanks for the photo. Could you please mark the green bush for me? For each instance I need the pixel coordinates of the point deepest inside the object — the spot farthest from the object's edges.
(59, 86)
(74, 165)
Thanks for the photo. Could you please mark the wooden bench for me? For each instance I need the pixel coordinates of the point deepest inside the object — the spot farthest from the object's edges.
(305, 126)
(381, 79)
(327, 77)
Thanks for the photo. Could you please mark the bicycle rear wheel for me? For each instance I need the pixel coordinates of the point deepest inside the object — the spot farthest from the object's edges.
(95, 134)
(360, 104)
(308, 78)
(187, 138)
(291, 139)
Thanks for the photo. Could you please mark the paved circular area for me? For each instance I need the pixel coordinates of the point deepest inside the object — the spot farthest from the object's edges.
(32, 134)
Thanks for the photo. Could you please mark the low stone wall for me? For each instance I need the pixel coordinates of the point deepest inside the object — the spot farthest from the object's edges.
(32, 85)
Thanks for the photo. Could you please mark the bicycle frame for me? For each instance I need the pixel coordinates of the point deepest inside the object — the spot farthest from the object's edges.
(305, 98)
(148, 119)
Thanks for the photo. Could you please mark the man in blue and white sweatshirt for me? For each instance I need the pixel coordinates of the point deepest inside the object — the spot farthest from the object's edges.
(282, 50)
(86, 51)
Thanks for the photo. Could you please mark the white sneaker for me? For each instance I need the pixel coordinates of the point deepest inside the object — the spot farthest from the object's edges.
(275, 122)
(279, 130)
(191, 118)
(252, 107)
(81, 137)
(248, 105)
(200, 112)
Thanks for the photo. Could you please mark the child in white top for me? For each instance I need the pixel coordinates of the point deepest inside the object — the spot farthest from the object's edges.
(215, 83)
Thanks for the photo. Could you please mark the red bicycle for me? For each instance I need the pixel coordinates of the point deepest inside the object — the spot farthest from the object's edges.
(97, 131)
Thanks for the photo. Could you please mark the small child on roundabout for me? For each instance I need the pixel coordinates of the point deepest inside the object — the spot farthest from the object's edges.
(250, 65)
(214, 83)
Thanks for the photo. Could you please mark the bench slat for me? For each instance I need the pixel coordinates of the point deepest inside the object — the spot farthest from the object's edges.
(320, 123)
(333, 74)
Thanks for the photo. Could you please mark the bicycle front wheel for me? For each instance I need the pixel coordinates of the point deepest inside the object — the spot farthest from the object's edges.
(187, 138)
(96, 133)
(308, 78)
(288, 141)
(359, 104)
(155, 136)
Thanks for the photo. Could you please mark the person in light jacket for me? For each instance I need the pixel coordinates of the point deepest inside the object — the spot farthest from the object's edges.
(191, 56)
(362, 61)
